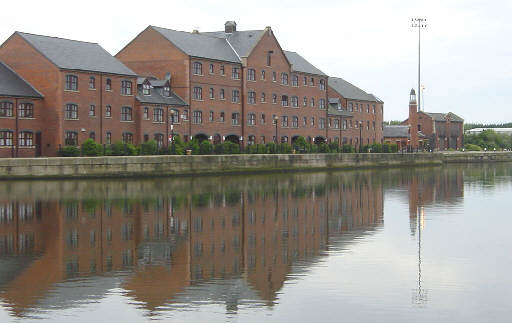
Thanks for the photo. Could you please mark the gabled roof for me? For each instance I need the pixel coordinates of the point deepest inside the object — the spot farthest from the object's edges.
(350, 91)
(200, 44)
(242, 41)
(76, 55)
(156, 96)
(396, 131)
(12, 84)
(437, 116)
(300, 64)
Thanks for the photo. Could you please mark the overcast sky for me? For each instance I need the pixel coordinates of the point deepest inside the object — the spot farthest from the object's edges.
(466, 47)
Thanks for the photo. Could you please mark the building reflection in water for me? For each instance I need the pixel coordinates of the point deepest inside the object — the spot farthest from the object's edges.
(170, 243)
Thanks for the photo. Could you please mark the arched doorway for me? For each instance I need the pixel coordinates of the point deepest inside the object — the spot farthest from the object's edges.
(319, 140)
(201, 137)
(233, 138)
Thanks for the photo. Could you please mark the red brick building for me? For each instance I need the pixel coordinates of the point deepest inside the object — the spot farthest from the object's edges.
(20, 112)
(426, 130)
(231, 85)
(364, 111)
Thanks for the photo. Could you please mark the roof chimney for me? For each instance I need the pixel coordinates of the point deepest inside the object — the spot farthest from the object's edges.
(230, 27)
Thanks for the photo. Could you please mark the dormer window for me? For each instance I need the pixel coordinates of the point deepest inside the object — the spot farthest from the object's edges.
(146, 88)
(167, 90)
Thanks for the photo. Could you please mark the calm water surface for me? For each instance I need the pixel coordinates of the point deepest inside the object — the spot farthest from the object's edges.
(424, 244)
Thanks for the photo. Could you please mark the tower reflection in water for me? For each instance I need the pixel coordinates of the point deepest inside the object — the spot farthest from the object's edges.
(175, 243)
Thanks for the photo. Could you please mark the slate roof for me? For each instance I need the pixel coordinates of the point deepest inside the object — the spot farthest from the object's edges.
(229, 47)
(300, 64)
(76, 55)
(12, 84)
(436, 116)
(396, 131)
(350, 91)
(200, 44)
(156, 96)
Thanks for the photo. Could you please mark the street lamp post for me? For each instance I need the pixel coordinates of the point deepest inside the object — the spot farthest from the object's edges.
(419, 23)
(276, 119)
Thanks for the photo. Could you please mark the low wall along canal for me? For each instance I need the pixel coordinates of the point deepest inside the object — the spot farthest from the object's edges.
(141, 166)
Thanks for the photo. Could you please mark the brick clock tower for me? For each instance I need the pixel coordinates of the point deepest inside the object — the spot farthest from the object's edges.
(413, 120)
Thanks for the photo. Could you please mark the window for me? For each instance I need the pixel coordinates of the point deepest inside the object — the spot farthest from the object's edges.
(321, 103)
(127, 138)
(373, 126)
(222, 94)
(263, 75)
(222, 70)
(26, 110)
(312, 121)
(146, 88)
(109, 137)
(262, 97)
(92, 83)
(284, 78)
(211, 118)
(167, 90)
(322, 123)
(295, 80)
(305, 121)
(6, 109)
(284, 100)
(305, 103)
(274, 98)
(197, 117)
(322, 84)
(211, 92)
(262, 140)
(312, 81)
(305, 80)
(108, 111)
(350, 107)
(221, 117)
(197, 93)
(197, 68)
(174, 116)
(235, 96)
(251, 74)
(262, 118)
(312, 102)
(295, 122)
(126, 114)
(185, 115)
(344, 124)
(367, 108)
(373, 109)
(71, 112)
(251, 98)
(159, 138)
(251, 119)
(146, 113)
(71, 83)
(251, 140)
(211, 69)
(368, 125)
(235, 118)
(336, 123)
(295, 102)
(235, 73)
(274, 76)
(284, 121)
(126, 87)
(5, 138)
(71, 138)
(92, 110)
(108, 85)
(269, 58)
(92, 135)
(158, 115)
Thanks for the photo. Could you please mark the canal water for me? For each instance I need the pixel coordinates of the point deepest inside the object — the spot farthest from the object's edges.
(400, 245)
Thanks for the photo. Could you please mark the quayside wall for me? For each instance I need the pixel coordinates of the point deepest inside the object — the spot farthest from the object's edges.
(146, 166)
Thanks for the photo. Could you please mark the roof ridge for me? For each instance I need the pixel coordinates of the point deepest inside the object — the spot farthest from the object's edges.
(46, 36)
(21, 78)
(186, 32)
